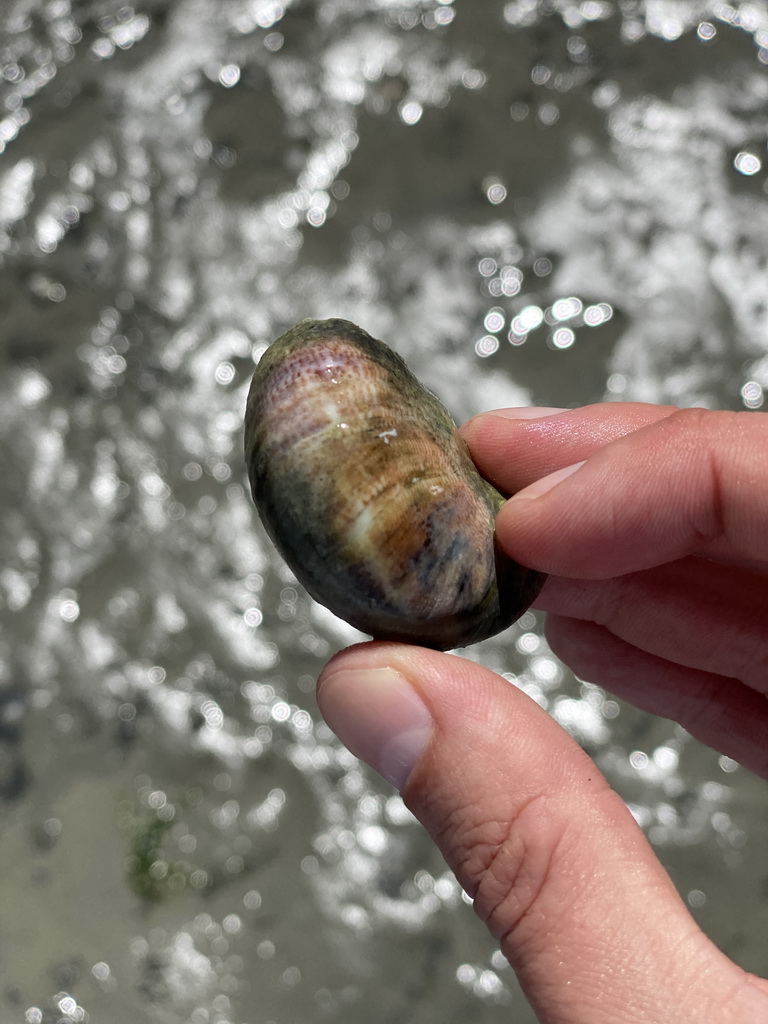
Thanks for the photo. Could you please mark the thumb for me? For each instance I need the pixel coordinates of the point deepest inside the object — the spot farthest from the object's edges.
(558, 869)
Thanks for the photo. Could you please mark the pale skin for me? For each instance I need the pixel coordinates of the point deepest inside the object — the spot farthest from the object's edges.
(657, 550)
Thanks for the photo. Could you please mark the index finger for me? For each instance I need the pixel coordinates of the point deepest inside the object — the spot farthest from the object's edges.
(674, 488)
(514, 447)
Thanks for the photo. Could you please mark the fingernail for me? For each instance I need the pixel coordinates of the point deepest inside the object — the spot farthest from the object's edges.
(378, 715)
(526, 412)
(545, 485)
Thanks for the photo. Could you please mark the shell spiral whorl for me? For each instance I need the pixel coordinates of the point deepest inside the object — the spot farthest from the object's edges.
(367, 490)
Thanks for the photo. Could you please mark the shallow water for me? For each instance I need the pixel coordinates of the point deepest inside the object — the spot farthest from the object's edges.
(549, 202)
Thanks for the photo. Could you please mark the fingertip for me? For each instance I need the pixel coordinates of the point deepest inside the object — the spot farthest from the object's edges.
(514, 447)
(494, 427)
(547, 483)
(443, 680)
(527, 412)
(475, 429)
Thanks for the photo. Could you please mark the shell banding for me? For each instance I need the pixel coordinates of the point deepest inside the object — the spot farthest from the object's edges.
(368, 491)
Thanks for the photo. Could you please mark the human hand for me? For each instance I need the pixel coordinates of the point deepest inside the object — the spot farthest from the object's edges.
(658, 554)
(658, 591)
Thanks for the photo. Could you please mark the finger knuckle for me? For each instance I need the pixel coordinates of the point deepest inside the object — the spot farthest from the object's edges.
(508, 865)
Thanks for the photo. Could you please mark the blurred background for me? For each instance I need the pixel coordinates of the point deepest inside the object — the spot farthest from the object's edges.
(550, 202)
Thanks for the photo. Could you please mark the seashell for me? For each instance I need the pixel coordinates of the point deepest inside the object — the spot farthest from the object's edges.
(368, 491)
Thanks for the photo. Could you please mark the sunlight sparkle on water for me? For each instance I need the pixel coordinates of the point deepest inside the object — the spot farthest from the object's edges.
(229, 75)
(752, 395)
(486, 346)
(495, 190)
(410, 112)
(528, 319)
(494, 320)
(563, 337)
(747, 163)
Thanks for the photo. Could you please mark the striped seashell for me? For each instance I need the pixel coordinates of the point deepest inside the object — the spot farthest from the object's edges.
(368, 491)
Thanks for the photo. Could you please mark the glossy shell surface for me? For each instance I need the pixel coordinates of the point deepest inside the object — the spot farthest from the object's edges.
(368, 491)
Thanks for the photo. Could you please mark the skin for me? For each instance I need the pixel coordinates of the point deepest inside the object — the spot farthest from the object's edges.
(657, 550)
